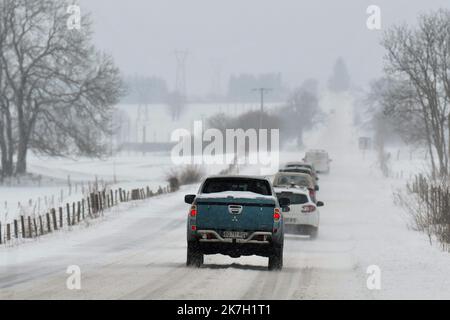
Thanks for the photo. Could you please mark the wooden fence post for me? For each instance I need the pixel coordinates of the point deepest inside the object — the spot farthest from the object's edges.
(30, 229)
(55, 222)
(74, 221)
(35, 227)
(1, 233)
(121, 194)
(68, 214)
(8, 232)
(82, 209)
(49, 225)
(89, 203)
(78, 211)
(61, 220)
(41, 226)
(100, 202)
(94, 203)
(16, 229)
(22, 224)
(111, 196)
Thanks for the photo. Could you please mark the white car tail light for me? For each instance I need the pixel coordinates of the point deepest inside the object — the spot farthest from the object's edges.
(308, 208)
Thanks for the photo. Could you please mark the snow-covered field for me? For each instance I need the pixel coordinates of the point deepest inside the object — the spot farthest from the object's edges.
(125, 170)
(139, 251)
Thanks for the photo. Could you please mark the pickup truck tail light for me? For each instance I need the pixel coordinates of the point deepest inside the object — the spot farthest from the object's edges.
(193, 211)
(308, 208)
(276, 215)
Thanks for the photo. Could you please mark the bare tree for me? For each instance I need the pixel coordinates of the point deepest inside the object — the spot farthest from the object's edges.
(6, 130)
(421, 57)
(394, 112)
(61, 90)
(302, 111)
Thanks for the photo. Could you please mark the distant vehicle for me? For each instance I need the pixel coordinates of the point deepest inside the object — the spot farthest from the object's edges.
(304, 170)
(296, 180)
(235, 216)
(297, 170)
(320, 160)
(302, 165)
(303, 216)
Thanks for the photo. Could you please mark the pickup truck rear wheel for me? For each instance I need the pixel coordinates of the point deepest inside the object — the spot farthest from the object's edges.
(194, 256)
(276, 259)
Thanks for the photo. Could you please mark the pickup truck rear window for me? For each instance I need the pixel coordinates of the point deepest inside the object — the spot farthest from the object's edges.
(294, 197)
(258, 186)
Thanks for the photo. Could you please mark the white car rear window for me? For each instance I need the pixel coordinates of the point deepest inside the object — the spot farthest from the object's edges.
(295, 198)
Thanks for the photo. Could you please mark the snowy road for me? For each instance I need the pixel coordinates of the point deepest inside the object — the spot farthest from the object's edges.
(140, 253)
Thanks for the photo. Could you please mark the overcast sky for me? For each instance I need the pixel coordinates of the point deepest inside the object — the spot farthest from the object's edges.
(298, 38)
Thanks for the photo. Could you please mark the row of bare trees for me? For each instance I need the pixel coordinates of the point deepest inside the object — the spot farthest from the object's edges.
(56, 89)
(412, 100)
(414, 95)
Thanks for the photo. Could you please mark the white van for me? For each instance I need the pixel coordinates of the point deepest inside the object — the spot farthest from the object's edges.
(320, 160)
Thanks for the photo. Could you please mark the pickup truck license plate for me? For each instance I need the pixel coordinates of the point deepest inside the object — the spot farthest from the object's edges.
(235, 234)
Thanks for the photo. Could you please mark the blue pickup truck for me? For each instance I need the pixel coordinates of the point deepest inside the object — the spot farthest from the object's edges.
(236, 216)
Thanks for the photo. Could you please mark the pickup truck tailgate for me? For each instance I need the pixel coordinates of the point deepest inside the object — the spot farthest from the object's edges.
(237, 214)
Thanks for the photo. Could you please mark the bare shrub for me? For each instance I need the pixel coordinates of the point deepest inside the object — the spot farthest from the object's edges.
(191, 174)
(187, 175)
(427, 201)
(174, 182)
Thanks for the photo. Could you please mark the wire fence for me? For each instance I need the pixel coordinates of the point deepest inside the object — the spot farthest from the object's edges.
(71, 214)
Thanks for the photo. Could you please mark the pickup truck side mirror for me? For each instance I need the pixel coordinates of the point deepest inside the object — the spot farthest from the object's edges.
(284, 202)
(316, 188)
(189, 198)
(320, 204)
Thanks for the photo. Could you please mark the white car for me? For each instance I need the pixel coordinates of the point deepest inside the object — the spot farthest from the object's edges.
(303, 216)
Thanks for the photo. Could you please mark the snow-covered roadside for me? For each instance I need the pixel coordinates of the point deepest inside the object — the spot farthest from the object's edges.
(114, 220)
(140, 253)
(363, 199)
